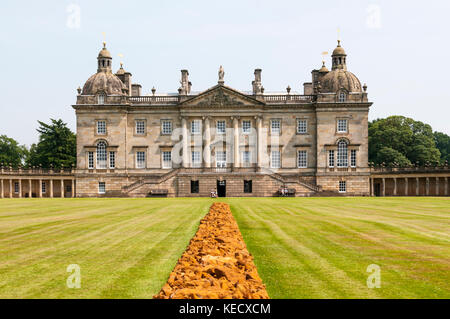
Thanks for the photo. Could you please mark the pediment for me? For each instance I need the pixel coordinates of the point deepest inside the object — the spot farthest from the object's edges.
(221, 96)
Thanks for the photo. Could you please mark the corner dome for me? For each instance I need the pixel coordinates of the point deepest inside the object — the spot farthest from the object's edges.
(339, 50)
(104, 82)
(339, 79)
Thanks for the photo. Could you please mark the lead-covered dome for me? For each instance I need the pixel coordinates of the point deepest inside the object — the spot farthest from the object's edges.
(104, 81)
(340, 79)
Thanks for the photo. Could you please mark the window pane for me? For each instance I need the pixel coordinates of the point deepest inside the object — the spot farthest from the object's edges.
(90, 159)
(331, 158)
(302, 159)
(140, 127)
(342, 186)
(342, 126)
(353, 158)
(101, 155)
(301, 126)
(195, 127)
(140, 159)
(221, 158)
(167, 159)
(220, 127)
(246, 126)
(342, 156)
(101, 188)
(167, 127)
(275, 159)
(101, 127)
(112, 159)
(275, 126)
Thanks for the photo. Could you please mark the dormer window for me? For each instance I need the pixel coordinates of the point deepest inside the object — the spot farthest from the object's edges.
(342, 97)
(101, 99)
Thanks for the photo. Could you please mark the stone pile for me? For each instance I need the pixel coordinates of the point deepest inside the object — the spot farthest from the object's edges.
(216, 264)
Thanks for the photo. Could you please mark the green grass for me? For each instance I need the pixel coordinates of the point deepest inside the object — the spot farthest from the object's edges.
(321, 247)
(125, 248)
(303, 247)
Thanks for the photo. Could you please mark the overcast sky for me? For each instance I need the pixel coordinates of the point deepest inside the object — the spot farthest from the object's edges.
(49, 48)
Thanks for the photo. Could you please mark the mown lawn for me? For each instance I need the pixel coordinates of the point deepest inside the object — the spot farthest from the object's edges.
(321, 247)
(125, 248)
(303, 247)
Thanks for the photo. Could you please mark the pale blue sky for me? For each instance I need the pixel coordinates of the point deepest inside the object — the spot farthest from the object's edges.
(402, 58)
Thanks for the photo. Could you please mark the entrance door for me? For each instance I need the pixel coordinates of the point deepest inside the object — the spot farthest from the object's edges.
(221, 188)
(377, 189)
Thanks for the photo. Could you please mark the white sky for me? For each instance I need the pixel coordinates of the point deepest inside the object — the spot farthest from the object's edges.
(399, 48)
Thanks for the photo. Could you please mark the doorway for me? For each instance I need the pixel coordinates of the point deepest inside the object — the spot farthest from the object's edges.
(221, 188)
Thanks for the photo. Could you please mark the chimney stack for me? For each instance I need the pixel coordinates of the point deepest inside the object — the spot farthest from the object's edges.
(257, 85)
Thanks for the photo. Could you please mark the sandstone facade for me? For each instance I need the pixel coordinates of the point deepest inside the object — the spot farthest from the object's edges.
(129, 144)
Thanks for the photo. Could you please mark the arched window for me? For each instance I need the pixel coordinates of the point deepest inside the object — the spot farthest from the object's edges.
(342, 154)
(342, 97)
(101, 99)
(101, 155)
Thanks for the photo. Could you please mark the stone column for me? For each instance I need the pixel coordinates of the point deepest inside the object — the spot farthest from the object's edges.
(406, 186)
(62, 188)
(51, 188)
(259, 139)
(207, 148)
(40, 188)
(73, 188)
(10, 188)
(437, 186)
(30, 188)
(2, 195)
(446, 186)
(427, 186)
(417, 186)
(383, 190)
(371, 188)
(236, 141)
(20, 188)
(395, 186)
(184, 133)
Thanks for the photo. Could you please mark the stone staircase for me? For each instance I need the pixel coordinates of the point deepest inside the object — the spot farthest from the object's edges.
(294, 179)
(150, 180)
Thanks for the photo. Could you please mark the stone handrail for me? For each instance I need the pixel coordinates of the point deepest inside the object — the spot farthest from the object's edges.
(286, 98)
(155, 99)
(35, 171)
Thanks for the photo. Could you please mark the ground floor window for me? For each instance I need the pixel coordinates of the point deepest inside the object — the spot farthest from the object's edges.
(353, 158)
(16, 187)
(167, 159)
(342, 186)
(101, 188)
(112, 160)
(91, 160)
(140, 159)
(248, 187)
(195, 187)
(221, 159)
(275, 159)
(331, 158)
(302, 159)
(44, 187)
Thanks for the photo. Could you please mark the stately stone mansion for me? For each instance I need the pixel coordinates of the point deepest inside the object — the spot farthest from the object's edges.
(237, 143)
(223, 140)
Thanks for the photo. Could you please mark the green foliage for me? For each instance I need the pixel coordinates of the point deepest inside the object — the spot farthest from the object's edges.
(443, 144)
(56, 146)
(412, 139)
(391, 156)
(11, 152)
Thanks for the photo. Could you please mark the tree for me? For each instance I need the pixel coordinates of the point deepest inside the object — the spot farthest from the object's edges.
(56, 146)
(443, 144)
(11, 152)
(413, 139)
(391, 156)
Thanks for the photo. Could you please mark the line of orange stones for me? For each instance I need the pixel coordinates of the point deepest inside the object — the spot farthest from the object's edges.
(216, 264)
